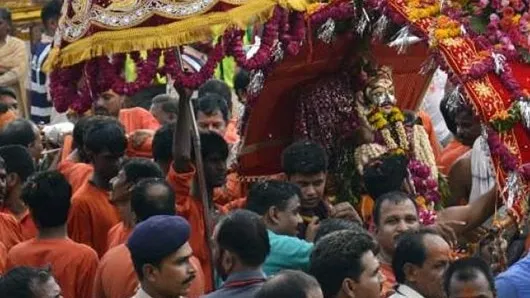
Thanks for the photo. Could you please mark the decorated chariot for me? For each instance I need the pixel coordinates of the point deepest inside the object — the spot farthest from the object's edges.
(310, 77)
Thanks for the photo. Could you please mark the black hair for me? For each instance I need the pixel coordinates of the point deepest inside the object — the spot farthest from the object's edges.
(395, 197)
(241, 80)
(5, 14)
(448, 113)
(217, 87)
(387, 176)
(338, 256)
(410, 249)
(18, 132)
(105, 134)
(139, 168)
(468, 269)
(18, 160)
(264, 195)
(3, 108)
(211, 103)
(144, 98)
(50, 11)
(330, 225)
(20, 281)
(288, 283)
(81, 127)
(244, 233)
(169, 104)
(162, 142)
(212, 145)
(305, 158)
(144, 204)
(48, 195)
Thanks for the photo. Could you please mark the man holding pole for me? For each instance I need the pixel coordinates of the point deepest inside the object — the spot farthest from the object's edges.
(194, 200)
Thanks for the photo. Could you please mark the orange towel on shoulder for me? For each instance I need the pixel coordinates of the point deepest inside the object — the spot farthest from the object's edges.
(137, 118)
(453, 151)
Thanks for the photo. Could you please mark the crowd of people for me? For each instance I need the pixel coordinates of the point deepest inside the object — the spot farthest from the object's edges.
(114, 207)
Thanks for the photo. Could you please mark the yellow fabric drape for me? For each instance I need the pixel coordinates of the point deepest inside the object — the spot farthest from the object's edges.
(186, 31)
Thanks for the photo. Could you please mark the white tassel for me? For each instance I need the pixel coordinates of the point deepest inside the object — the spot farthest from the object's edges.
(363, 22)
(524, 108)
(380, 27)
(278, 52)
(402, 40)
(498, 60)
(326, 31)
(428, 66)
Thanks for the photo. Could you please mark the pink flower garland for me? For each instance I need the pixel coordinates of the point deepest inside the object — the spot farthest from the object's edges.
(104, 73)
(193, 80)
(424, 184)
(264, 53)
(499, 150)
(337, 12)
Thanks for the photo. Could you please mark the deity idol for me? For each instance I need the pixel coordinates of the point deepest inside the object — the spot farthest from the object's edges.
(377, 110)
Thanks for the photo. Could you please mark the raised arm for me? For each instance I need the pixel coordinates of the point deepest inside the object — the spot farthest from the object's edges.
(473, 214)
(182, 134)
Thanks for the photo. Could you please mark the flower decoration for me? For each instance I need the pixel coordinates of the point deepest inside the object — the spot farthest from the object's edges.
(444, 28)
(505, 120)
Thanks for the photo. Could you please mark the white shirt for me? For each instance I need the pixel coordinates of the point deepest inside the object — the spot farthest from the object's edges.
(406, 291)
(141, 294)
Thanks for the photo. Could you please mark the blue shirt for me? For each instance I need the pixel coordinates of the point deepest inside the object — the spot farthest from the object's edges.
(240, 284)
(41, 108)
(287, 253)
(515, 282)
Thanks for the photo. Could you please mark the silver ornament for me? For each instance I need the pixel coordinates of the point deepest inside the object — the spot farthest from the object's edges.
(277, 53)
(511, 188)
(454, 100)
(326, 31)
(257, 79)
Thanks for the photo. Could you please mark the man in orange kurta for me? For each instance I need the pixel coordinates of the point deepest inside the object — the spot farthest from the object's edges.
(92, 215)
(130, 173)
(19, 165)
(116, 277)
(10, 231)
(182, 176)
(73, 265)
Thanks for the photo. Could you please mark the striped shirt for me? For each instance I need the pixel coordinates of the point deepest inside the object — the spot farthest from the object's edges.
(41, 107)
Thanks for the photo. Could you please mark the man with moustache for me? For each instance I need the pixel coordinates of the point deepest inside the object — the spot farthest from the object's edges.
(419, 264)
(241, 246)
(161, 256)
(394, 213)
